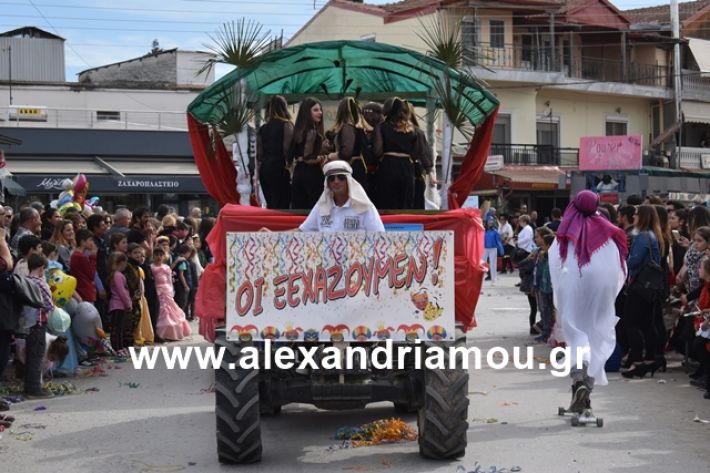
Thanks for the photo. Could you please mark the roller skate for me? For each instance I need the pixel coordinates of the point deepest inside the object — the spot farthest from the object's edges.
(581, 407)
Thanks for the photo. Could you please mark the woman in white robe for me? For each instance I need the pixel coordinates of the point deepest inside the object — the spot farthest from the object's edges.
(588, 269)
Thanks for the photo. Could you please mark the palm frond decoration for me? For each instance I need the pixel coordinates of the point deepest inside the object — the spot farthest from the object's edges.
(237, 112)
(239, 44)
(443, 40)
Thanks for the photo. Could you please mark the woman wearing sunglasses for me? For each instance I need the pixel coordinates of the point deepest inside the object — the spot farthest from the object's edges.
(343, 205)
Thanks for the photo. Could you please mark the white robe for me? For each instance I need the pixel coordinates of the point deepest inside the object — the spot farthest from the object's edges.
(585, 303)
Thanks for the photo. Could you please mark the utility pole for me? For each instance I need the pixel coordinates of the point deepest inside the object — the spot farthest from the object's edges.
(677, 84)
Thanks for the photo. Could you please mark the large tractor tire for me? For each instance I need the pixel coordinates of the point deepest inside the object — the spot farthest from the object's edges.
(236, 407)
(442, 420)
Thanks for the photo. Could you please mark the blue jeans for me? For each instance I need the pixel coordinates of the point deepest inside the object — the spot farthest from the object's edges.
(546, 307)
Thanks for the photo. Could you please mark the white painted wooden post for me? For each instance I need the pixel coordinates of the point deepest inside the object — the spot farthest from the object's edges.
(240, 156)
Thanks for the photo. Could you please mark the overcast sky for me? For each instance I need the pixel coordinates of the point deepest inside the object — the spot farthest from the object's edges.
(100, 32)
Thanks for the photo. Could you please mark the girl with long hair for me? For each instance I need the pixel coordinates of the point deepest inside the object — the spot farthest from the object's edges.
(348, 137)
(307, 155)
(273, 148)
(641, 330)
(398, 146)
(120, 303)
(172, 324)
(63, 238)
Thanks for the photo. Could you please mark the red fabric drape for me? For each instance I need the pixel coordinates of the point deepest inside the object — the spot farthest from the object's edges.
(216, 169)
(473, 162)
(468, 252)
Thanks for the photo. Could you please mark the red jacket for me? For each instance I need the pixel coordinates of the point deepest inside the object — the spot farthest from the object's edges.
(83, 268)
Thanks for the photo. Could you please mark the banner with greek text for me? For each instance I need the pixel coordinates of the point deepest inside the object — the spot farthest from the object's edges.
(355, 286)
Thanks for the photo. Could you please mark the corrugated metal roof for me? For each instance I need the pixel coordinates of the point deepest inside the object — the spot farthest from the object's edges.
(30, 32)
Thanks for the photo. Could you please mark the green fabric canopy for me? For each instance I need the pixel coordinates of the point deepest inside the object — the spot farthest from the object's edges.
(334, 69)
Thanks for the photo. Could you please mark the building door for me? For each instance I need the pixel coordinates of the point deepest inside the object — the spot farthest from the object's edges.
(548, 142)
(501, 137)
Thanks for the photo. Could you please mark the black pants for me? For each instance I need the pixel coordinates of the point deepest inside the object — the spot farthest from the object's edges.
(35, 347)
(118, 326)
(640, 328)
(5, 346)
(190, 312)
(620, 328)
(532, 301)
(395, 183)
(275, 185)
(661, 333)
(306, 186)
(701, 353)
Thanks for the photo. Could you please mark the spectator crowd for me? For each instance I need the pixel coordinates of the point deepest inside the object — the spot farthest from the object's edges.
(74, 286)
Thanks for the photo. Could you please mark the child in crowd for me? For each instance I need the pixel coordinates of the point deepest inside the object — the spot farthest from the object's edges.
(543, 285)
(27, 245)
(163, 242)
(83, 265)
(183, 277)
(120, 303)
(52, 255)
(171, 320)
(118, 242)
(35, 320)
(197, 243)
(143, 332)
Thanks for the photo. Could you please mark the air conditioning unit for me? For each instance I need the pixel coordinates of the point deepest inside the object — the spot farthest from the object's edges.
(28, 113)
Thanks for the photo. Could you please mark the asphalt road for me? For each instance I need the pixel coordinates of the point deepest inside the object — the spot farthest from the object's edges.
(166, 423)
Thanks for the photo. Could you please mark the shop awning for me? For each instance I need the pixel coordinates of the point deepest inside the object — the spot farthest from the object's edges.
(53, 165)
(696, 112)
(159, 167)
(536, 177)
(701, 52)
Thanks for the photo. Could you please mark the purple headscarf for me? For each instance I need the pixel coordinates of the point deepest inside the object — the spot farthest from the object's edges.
(588, 230)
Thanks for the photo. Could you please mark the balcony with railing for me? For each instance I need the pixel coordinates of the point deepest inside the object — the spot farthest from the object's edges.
(695, 85)
(694, 158)
(85, 118)
(536, 155)
(517, 58)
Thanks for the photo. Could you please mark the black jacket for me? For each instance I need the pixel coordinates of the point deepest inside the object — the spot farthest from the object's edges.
(16, 292)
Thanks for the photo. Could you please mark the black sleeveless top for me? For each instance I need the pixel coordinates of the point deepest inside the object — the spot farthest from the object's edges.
(272, 137)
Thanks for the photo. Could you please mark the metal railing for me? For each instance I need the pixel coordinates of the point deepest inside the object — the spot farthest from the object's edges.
(83, 118)
(692, 158)
(536, 155)
(514, 57)
(693, 82)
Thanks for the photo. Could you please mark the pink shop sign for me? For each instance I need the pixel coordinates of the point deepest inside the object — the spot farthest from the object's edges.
(603, 153)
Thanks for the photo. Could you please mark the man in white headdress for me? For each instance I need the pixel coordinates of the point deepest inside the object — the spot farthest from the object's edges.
(344, 205)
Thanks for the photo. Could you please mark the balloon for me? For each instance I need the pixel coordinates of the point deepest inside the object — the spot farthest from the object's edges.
(65, 197)
(93, 201)
(69, 205)
(62, 286)
(80, 188)
(58, 321)
(54, 204)
(67, 184)
(71, 306)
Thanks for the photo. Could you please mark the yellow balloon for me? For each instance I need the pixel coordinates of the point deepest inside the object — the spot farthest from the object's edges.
(62, 286)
